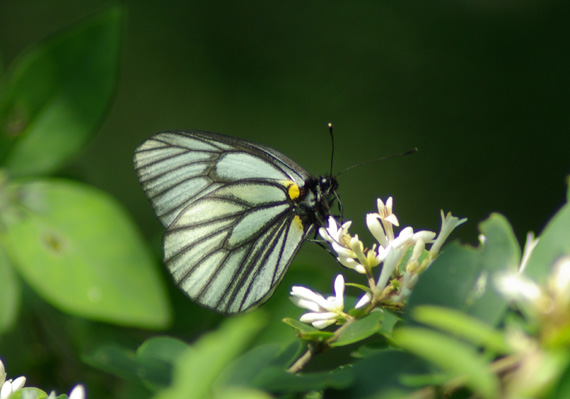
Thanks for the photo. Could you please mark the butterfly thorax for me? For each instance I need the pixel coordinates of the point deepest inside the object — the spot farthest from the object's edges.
(314, 203)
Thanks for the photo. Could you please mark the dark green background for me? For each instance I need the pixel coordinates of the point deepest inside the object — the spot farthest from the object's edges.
(480, 87)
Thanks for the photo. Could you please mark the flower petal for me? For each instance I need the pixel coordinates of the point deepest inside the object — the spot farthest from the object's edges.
(318, 316)
(78, 392)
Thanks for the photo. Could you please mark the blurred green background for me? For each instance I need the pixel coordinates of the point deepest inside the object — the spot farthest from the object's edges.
(480, 87)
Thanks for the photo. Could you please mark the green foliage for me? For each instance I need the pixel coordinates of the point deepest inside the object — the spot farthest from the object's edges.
(461, 276)
(80, 290)
(55, 95)
(78, 249)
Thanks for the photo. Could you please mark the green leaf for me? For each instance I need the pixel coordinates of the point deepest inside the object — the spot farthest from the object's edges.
(359, 329)
(29, 393)
(81, 252)
(264, 367)
(276, 379)
(379, 375)
(453, 356)
(240, 393)
(54, 96)
(113, 359)
(156, 358)
(562, 388)
(243, 370)
(461, 325)
(462, 276)
(554, 244)
(308, 332)
(201, 364)
(9, 293)
(152, 362)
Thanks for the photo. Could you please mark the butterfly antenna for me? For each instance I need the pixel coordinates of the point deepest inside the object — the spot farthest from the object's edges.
(401, 154)
(330, 125)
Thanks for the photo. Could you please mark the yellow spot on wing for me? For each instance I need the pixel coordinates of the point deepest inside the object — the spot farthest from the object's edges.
(297, 222)
(293, 191)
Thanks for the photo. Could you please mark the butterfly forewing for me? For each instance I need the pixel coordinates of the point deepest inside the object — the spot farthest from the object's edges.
(232, 224)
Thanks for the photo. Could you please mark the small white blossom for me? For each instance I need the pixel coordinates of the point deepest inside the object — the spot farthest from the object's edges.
(8, 387)
(364, 300)
(350, 250)
(559, 282)
(517, 287)
(529, 246)
(323, 312)
(390, 263)
(448, 224)
(78, 392)
(384, 233)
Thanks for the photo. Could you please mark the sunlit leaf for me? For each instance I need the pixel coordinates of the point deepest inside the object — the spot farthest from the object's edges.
(451, 355)
(78, 248)
(359, 329)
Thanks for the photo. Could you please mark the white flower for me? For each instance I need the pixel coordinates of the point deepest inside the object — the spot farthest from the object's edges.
(323, 312)
(364, 300)
(390, 263)
(78, 392)
(559, 282)
(8, 387)
(529, 246)
(350, 250)
(517, 287)
(384, 233)
(448, 224)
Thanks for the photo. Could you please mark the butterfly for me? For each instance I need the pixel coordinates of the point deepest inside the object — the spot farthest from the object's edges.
(235, 213)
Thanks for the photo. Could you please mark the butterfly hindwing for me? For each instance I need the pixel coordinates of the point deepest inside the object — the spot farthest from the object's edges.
(229, 249)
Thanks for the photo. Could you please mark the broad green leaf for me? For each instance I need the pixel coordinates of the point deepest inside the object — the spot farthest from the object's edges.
(113, 359)
(29, 393)
(164, 349)
(240, 393)
(461, 325)
(378, 375)
(359, 329)
(277, 379)
(451, 355)
(263, 367)
(81, 252)
(554, 244)
(243, 370)
(462, 276)
(54, 96)
(201, 364)
(562, 388)
(9, 293)
(152, 362)
(156, 358)
(308, 332)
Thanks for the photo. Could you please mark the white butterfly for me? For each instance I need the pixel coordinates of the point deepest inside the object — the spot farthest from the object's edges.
(235, 213)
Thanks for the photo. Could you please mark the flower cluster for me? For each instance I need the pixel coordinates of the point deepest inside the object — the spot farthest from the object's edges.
(8, 387)
(400, 258)
(540, 341)
(547, 305)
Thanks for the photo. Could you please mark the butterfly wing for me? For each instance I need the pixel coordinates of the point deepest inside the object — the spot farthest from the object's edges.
(231, 229)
